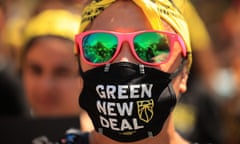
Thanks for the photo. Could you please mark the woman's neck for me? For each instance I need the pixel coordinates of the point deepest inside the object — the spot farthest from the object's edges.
(168, 135)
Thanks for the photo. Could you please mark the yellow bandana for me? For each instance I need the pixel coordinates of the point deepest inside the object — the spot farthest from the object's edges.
(153, 10)
(52, 22)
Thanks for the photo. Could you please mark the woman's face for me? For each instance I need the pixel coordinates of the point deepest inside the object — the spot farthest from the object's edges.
(125, 16)
(50, 77)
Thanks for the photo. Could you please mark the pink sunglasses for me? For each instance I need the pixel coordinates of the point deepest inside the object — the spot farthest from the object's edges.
(149, 47)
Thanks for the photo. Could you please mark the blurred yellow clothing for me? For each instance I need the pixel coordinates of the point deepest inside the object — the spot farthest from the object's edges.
(55, 22)
(198, 33)
(12, 34)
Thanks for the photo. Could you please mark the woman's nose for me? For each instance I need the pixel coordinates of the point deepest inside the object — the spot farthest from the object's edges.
(46, 83)
(125, 54)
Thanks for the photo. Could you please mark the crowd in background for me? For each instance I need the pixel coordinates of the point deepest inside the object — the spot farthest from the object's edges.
(209, 111)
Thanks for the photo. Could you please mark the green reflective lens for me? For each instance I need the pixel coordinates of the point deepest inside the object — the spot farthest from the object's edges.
(152, 47)
(99, 47)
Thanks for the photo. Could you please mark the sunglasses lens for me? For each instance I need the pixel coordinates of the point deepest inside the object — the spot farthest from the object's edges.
(99, 47)
(152, 47)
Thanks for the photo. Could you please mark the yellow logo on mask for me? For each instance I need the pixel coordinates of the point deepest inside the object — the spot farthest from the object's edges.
(145, 110)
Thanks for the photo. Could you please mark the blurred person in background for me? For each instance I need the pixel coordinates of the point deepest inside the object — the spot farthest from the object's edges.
(17, 13)
(231, 58)
(11, 103)
(49, 68)
(21, 14)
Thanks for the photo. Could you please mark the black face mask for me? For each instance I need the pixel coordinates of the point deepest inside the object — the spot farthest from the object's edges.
(127, 102)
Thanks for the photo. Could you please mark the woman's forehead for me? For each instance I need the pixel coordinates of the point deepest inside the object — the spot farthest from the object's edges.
(121, 15)
(124, 16)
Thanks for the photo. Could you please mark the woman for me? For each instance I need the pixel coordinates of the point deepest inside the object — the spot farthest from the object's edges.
(49, 67)
(134, 59)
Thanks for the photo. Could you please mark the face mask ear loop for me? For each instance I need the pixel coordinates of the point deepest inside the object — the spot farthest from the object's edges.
(179, 69)
(79, 66)
(173, 95)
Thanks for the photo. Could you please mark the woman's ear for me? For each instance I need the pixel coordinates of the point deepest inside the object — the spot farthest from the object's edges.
(183, 80)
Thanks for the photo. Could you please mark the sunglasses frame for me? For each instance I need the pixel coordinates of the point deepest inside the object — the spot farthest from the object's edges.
(128, 37)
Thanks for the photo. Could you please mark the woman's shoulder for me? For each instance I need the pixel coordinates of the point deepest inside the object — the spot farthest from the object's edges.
(72, 136)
